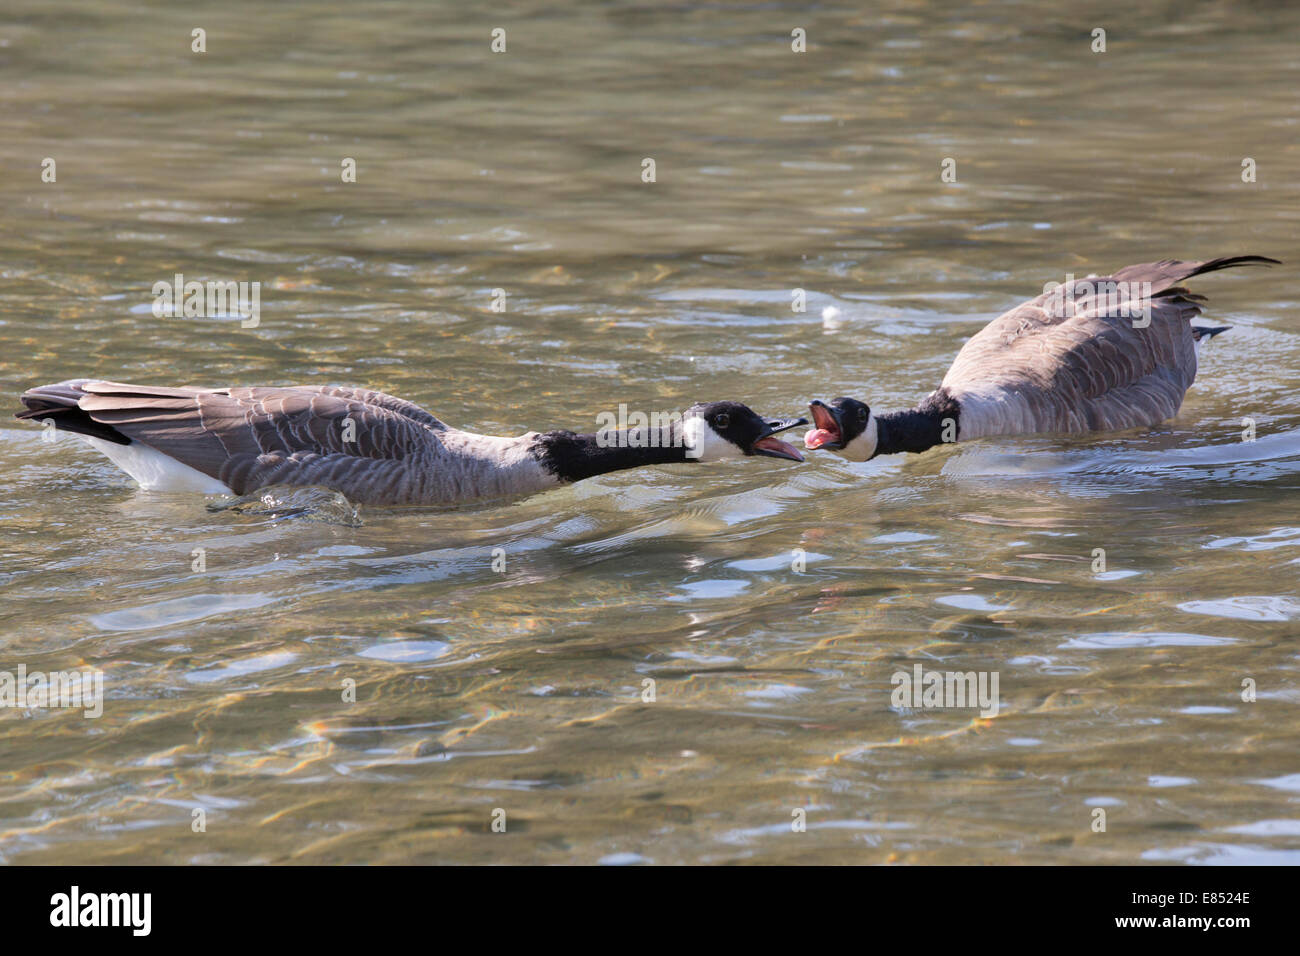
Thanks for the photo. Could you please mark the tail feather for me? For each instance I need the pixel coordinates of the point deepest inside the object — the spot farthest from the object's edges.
(1229, 262)
(60, 404)
(1169, 272)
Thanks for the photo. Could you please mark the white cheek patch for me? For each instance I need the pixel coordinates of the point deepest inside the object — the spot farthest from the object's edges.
(864, 446)
(704, 444)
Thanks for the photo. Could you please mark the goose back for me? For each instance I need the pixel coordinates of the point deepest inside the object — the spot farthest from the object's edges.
(1070, 363)
(373, 447)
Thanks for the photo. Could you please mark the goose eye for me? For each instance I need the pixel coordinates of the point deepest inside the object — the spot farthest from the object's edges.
(862, 414)
(722, 421)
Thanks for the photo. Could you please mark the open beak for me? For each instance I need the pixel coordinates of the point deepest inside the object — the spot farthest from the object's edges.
(826, 431)
(767, 444)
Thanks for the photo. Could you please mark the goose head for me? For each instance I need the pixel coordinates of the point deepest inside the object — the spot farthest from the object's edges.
(716, 431)
(844, 426)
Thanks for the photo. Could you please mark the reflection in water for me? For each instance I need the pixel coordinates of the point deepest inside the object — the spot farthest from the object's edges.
(660, 665)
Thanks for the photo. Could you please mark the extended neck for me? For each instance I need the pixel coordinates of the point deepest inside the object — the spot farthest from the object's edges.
(933, 422)
(573, 457)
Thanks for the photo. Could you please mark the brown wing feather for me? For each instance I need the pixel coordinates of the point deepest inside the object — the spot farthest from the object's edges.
(250, 437)
(1045, 367)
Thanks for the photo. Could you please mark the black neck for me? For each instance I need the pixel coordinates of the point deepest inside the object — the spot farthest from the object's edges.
(573, 457)
(934, 421)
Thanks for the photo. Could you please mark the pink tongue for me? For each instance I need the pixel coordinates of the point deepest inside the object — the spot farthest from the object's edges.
(816, 437)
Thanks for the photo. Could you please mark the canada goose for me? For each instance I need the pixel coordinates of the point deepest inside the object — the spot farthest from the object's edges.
(1095, 354)
(372, 447)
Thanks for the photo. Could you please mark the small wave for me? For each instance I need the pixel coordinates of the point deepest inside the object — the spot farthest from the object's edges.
(282, 502)
(1262, 458)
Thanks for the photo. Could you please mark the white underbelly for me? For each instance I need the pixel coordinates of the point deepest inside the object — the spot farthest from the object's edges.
(155, 471)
